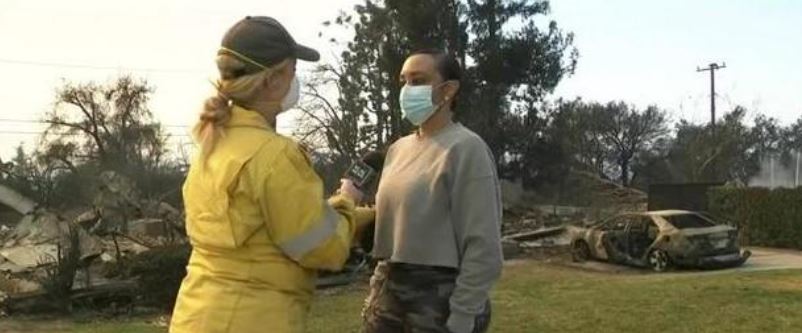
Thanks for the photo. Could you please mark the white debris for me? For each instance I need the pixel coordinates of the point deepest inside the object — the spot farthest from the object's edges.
(31, 255)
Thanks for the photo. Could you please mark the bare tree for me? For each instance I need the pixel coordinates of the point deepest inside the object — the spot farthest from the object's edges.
(323, 125)
(110, 124)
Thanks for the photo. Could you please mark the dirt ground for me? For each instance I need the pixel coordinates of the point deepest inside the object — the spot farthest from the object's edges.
(762, 259)
(16, 325)
(154, 323)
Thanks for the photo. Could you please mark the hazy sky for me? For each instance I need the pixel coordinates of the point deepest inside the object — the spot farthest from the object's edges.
(639, 51)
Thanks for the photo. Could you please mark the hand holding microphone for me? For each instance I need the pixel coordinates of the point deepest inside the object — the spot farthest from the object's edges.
(359, 177)
(361, 174)
(350, 190)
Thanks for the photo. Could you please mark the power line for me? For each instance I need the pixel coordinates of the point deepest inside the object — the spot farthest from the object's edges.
(20, 120)
(73, 134)
(33, 121)
(95, 67)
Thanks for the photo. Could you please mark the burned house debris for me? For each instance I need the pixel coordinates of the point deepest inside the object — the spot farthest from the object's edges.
(82, 257)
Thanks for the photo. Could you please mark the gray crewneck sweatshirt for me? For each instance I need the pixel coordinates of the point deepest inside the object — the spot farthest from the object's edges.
(439, 204)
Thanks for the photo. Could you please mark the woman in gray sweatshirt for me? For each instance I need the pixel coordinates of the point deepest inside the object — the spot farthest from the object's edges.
(438, 214)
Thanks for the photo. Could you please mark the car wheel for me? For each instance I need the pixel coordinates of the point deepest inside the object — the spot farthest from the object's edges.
(580, 251)
(659, 260)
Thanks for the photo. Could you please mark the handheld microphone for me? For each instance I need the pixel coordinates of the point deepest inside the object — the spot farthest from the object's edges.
(363, 171)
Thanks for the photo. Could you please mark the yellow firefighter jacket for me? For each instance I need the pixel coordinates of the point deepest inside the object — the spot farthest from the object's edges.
(259, 228)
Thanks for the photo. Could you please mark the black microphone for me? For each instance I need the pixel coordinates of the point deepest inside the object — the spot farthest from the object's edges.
(363, 173)
(365, 170)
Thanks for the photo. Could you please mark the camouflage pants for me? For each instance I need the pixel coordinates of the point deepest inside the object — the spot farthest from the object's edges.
(408, 298)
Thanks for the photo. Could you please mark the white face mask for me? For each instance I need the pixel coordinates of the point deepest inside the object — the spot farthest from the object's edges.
(292, 96)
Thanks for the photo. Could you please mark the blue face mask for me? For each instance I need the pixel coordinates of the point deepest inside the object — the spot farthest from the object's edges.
(416, 103)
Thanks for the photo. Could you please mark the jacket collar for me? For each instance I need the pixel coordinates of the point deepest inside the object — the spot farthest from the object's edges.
(242, 117)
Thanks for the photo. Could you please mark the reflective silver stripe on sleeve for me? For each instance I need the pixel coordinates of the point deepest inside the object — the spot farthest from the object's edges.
(299, 246)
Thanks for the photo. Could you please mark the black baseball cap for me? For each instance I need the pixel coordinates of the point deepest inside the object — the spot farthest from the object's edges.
(262, 42)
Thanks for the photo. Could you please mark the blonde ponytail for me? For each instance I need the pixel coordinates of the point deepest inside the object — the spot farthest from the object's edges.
(216, 113)
(232, 88)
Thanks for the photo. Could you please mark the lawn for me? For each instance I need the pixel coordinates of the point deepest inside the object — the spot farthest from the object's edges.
(537, 297)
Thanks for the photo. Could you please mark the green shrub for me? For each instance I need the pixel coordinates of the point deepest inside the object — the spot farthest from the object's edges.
(771, 218)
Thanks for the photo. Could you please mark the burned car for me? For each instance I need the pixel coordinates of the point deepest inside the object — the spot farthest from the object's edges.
(660, 240)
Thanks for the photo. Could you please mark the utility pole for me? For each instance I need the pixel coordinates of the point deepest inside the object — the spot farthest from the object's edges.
(771, 182)
(796, 181)
(712, 68)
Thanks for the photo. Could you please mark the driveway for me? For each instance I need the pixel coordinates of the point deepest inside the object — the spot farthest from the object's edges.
(762, 259)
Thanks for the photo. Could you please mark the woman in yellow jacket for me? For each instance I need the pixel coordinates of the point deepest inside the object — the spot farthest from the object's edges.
(256, 214)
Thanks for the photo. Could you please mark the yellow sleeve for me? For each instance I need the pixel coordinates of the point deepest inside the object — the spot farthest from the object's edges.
(314, 232)
(364, 216)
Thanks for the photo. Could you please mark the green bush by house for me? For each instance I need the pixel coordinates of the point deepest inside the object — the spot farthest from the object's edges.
(771, 218)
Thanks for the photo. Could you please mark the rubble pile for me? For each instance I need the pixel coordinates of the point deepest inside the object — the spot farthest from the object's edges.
(536, 232)
(117, 226)
(542, 231)
(608, 195)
